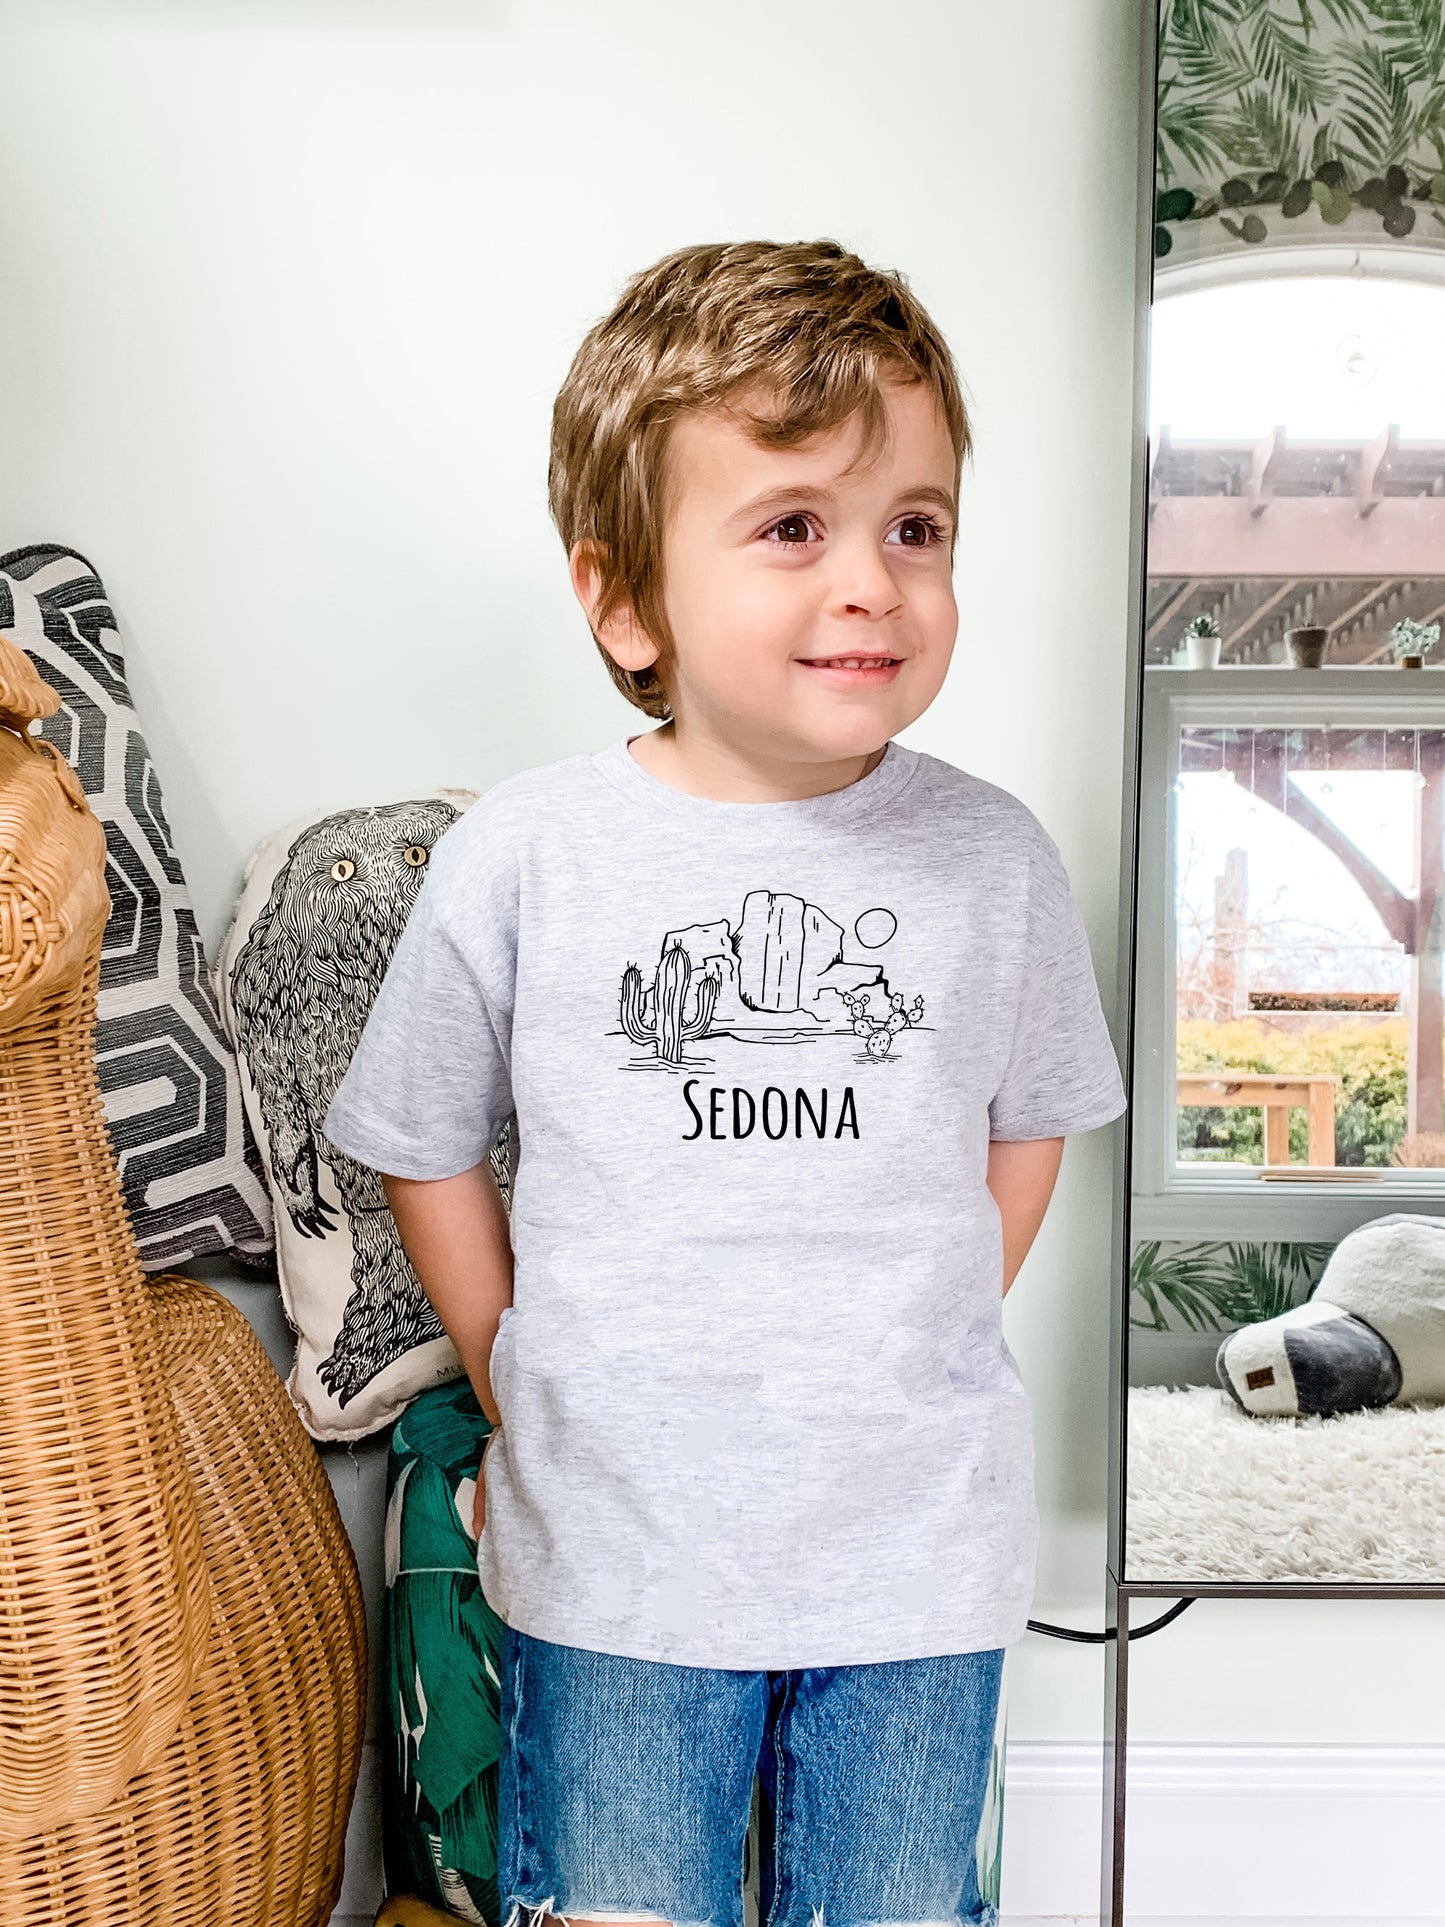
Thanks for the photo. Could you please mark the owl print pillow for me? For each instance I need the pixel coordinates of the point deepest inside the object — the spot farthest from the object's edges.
(320, 911)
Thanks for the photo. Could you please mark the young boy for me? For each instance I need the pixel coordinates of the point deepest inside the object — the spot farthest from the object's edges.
(793, 1022)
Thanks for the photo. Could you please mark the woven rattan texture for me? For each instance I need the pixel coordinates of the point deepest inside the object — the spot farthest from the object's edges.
(182, 1643)
(24, 697)
(242, 1823)
(51, 891)
(105, 1602)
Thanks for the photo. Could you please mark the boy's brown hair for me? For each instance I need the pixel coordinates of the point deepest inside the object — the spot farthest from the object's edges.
(805, 326)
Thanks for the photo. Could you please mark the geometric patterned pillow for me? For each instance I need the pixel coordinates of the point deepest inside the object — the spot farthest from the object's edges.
(191, 1175)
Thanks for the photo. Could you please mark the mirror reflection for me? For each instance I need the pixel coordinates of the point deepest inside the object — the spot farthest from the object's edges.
(1286, 1417)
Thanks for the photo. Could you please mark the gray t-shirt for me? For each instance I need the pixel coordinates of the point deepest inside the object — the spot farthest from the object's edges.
(758, 1410)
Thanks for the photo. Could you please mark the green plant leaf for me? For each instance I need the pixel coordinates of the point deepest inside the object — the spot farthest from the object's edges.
(1215, 72)
(1375, 102)
(1264, 135)
(1196, 132)
(1414, 33)
(1175, 205)
(1296, 200)
(1348, 13)
(1295, 73)
(1191, 1281)
(1218, 1287)
(1266, 1282)
(1198, 26)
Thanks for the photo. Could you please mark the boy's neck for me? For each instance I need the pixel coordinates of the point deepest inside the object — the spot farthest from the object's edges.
(691, 760)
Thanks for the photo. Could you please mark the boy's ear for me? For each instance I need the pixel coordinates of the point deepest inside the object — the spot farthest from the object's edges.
(619, 632)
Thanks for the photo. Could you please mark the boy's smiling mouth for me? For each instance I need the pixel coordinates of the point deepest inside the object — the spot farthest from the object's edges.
(869, 668)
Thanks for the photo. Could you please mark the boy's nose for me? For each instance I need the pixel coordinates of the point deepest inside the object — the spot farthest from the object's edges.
(862, 583)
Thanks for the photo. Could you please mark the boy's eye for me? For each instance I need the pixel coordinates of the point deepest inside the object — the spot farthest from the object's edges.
(792, 530)
(918, 532)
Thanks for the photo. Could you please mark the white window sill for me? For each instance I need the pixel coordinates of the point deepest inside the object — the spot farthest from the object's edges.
(1224, 1206)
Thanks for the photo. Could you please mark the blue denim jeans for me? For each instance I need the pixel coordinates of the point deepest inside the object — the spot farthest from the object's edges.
(625, 1788)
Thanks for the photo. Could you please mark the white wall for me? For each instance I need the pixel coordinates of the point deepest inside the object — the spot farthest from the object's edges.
(288, 287)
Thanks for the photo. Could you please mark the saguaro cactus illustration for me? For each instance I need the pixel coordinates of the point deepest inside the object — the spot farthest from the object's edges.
(670, 1027)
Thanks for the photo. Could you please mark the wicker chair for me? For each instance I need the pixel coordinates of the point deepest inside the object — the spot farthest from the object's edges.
(182, 1644)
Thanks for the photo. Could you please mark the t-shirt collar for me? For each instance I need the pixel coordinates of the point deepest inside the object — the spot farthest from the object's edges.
(618, 766)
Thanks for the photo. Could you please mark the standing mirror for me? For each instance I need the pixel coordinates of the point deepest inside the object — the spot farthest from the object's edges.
(1280, 1340)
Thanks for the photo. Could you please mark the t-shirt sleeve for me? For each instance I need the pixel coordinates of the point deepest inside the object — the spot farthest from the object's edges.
(429, 1085)
(1062, 1075)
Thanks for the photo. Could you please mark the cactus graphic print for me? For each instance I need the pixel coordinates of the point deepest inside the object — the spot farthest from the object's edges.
(757, 1407)
(778, 973)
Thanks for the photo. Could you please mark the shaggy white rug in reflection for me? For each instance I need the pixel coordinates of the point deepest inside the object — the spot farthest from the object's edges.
(1214, 1494)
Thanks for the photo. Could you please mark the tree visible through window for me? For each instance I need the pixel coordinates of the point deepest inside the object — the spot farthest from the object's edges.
(1297, 483)
(1308, 971)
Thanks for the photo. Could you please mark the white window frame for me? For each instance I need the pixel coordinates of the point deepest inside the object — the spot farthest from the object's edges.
(1170, 1201)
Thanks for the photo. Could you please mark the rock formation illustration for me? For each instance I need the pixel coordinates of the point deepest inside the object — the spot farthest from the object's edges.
(778, 975)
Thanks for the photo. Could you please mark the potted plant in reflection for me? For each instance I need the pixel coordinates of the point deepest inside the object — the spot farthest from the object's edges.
(1304, 648)
(1209, 1286)
(1202, 643)
(1411, 641)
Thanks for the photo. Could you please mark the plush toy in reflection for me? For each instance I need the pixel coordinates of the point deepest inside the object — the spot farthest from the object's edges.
(1371, 1333)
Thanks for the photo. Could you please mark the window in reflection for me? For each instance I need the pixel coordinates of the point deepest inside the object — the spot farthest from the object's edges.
(1308, 983)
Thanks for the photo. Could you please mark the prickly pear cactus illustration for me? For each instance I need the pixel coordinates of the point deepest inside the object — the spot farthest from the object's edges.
(878, 1032)
(660, 1019)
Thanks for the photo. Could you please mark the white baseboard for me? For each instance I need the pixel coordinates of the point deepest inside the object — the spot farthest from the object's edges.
(1292, 1835)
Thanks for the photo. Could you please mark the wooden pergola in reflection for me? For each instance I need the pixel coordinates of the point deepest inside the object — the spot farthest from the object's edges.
(1263, 759)
(1264, 534)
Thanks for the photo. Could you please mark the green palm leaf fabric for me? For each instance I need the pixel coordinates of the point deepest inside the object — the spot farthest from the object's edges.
(442, 1657)
(1282, 107)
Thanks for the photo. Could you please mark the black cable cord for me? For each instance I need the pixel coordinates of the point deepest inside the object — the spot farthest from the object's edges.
(1102, 1639)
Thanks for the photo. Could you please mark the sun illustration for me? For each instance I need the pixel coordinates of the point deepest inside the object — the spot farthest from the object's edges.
(875, 928)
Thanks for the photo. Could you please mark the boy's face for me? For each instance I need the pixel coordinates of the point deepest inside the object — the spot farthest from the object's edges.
(811, 609)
